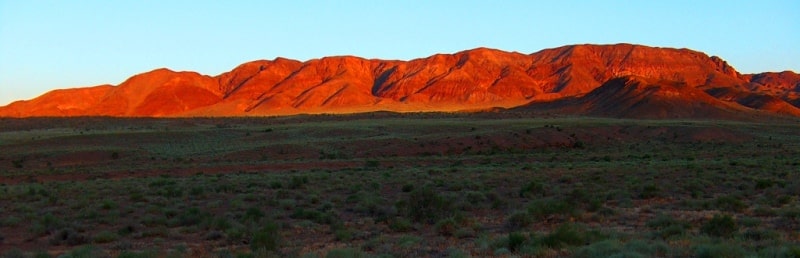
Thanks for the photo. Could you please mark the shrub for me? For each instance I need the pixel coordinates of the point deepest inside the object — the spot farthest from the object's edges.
(446, 227)
(67, 236)
(729, 203)
(345, 253)
(196, 191)
(606, 248)
(719, 250)
(518, 220)
(133, 254)
(275, 185)
(425, 205)
(533, 188)
(343, 234)
(401, 224)
(126, 230)
(253, 213)
(667, 226)
(578, 196)
(105, 237)
(47, 223)
(108, 204)
(42, 254)
(214, 235)
(475, 197)
(456, 253)
(762, 184)
(17, 163)
(649, 191)
(85, 251)
(136, 196)
(564, 236)
(515, 241)
(266, 238)
(720, 226)
(760, 234)
(191, 216)
(236, 232)
(542, 208)
(219, 223)
(372, 164)
(14, 253)
(295, 182)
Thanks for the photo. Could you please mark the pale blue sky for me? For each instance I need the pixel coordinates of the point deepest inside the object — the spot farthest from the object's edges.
(61, 44)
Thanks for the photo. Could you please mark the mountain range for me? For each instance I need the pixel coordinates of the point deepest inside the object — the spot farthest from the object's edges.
(621, 80)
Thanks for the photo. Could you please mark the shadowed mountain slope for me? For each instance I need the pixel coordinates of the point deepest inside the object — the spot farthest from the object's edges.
(638, 97)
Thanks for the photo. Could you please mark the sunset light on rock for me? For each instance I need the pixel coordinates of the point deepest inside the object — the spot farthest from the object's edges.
(399, 128)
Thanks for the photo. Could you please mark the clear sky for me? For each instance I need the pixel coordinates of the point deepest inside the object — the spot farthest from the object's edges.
(46, 45)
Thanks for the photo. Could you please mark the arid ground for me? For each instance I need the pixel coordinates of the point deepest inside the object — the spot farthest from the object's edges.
(399, 185)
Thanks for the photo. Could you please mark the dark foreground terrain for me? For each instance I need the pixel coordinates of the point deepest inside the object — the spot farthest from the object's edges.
(415, 185)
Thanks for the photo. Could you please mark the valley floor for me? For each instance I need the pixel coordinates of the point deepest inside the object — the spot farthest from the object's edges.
(387, 185)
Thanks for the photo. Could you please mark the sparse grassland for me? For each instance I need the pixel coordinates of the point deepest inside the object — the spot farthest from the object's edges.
(385, 185)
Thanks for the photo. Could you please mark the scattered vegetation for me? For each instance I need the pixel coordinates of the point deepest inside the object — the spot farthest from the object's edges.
(460, 186)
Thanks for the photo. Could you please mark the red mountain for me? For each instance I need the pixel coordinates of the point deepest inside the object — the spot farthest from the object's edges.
(784, 85)
(475, 79)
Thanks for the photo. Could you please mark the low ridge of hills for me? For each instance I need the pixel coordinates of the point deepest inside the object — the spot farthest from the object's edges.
(621, 80)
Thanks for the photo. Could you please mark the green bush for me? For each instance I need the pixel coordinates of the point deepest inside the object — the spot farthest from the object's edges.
(446, 227)
(762, 184)
(760, 234)
(729, 203)
(371, 164)
(345, 253)
(126, 230)
(564, 236)
(18, 163)
(47, 224)
(191, 217)
(518, 220)
(720, 226)
(722, 250)
(253, 214)
(649, 191)
(426, 205)
(84, 252)
(136, 196)
(67, 236)
(667, 226)
(105, 237)
(600, 249)
(532, 189)
(343, 234)
(275, 185)
(541, 209)
(266, 238)
(515, 241)
(295, 182)
(108, 204)
(132, 254)
(42, 254)
(401, 224)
